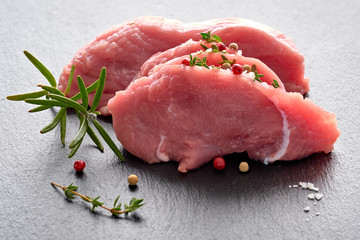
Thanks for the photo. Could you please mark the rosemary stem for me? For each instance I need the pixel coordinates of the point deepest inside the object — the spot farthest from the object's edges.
(87, 199)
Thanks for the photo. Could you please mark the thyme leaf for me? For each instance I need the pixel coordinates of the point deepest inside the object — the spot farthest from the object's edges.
(204, 47)
(257, 75)
(275, 84)
(209, 38)
(226, 60)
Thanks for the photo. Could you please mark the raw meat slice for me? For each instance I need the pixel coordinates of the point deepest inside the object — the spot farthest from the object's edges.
(216, 58)
(186, 48)
(193, 114)
(123, 49)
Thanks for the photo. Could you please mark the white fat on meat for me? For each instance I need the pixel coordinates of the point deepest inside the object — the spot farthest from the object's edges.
(159, 154)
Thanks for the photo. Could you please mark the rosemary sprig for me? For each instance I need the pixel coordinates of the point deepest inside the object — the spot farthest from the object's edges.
(55, 97)
(134, 204)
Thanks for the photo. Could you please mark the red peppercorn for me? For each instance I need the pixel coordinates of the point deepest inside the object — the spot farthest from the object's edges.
(219, 163)
(237, 69)
(79, 165)
(185, 62)
(221, 46)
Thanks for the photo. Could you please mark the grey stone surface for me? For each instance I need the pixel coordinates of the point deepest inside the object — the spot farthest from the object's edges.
(202, 204)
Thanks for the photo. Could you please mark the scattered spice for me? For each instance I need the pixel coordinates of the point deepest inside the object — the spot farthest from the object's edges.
(221, 47)
(244, 167)
(195, 61)
(79, 165)
(132, 180)
(308, 185)
(219, 163)
(185, 62)
(311, 196)
(311, 186)
(237, 69)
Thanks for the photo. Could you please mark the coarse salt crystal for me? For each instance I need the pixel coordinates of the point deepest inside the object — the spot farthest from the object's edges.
(316, 189)
(295, 185)
(303, 185)
(318, 196)
(306, 209)
(311, 186)
(311, 196)
(317, 214)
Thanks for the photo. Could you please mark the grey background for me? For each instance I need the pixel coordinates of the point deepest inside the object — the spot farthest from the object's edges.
(202, 204)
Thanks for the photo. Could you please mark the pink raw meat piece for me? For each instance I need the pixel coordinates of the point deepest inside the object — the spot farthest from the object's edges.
(192, 114)
(124, 48)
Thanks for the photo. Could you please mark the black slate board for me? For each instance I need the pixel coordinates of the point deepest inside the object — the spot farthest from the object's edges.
(202, 204)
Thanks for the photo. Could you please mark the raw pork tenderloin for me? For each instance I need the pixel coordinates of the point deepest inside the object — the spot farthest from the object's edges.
(191, 114)
(123, 49)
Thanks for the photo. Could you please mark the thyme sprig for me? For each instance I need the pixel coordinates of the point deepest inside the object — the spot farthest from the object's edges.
(195, 61)
(226, 60)
(257, 75)
(134, 204)
(209, 38)
(54, 97)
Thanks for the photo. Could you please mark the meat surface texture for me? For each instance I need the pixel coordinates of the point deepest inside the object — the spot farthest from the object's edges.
(192, 114)
(213, 59)
(124, 48)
